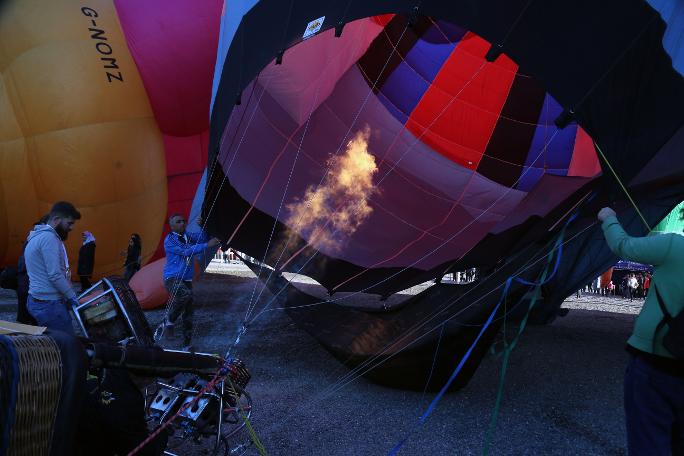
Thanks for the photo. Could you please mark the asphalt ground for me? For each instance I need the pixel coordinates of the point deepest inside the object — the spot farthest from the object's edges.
(563, 388)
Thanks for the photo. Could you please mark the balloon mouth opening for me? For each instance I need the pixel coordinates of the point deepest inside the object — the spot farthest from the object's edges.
(424, 137)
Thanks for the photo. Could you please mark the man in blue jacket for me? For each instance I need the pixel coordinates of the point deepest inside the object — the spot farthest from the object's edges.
(181, 246)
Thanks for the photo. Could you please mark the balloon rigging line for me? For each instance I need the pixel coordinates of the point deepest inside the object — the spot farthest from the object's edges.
(375, 83)
(222, 141)
(300, 268)
(209, 181)
(237, 149)
(356, 373)
(554, 135)
(368, 365)
(654, 16)
(392, 168)
(622, 186)
(350, 376)
(159, 332)
(396, 137)
(432, 368)
(396, 164)
(448, 240)
(429, 318)
(252, 302)
(417, 326)
(507, 350)
(365, 369)
(351, 126)
(515, 23)
(558, 245)
(243, 327)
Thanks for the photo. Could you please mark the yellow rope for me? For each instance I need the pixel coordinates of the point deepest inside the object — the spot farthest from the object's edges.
(636, 208)
(250, 430)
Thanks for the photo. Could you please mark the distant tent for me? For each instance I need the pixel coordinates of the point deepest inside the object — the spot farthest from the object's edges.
(633, 266)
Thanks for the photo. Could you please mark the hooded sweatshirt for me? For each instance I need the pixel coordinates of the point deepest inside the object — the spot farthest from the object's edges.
(46, 264)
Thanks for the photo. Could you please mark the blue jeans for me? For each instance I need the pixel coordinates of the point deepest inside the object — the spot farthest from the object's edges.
(654, 410)
(53, 314)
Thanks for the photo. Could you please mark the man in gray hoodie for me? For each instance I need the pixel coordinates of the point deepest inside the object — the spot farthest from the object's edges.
(50, 291)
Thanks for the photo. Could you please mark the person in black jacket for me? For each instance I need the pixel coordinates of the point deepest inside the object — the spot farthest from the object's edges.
(113, 418)
(133, 256)
(86, 260)
(23, 315)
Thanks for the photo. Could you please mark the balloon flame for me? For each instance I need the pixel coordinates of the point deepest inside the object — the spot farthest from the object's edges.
(331, 213)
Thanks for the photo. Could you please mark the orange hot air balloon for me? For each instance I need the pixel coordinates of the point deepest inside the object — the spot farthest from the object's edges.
(89, 111)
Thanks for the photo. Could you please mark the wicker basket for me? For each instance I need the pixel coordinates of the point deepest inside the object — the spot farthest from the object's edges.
(38, 392)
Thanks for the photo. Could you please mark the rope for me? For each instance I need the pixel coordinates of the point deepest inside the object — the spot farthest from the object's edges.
(446, 241)
(432, 368)
(624, 189)
(248, 424)
(252, 301)
(356, 372)
(508, 348)
(325, 173)
(161, 328)
(218, 376)
(558, 246)
(254, 437)
(368, 365)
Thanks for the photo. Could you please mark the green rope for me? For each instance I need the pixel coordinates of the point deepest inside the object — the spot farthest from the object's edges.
(248, 424)
(636, 208)
(508, 348)
(255, 438)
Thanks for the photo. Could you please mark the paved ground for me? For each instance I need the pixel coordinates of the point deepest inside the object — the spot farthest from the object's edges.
(563, 391)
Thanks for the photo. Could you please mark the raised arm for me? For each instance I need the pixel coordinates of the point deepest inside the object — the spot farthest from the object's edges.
(197, 237)
(649, 249)
(173, 245)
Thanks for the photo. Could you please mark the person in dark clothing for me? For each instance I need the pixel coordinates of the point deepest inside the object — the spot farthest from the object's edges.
(86, 260)
(23, 315)
(113, 418)
(133, 256)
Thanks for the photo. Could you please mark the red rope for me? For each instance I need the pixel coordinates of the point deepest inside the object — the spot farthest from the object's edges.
(218, 376)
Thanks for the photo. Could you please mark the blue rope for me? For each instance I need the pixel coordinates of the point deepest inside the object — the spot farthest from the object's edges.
(423, 418)
(508, 348)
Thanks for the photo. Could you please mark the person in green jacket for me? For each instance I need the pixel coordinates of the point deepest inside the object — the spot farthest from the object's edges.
(654, 379)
